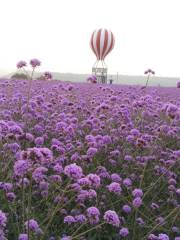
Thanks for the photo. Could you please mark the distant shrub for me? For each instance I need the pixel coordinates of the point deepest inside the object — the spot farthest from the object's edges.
(19, 76)
(41, 78)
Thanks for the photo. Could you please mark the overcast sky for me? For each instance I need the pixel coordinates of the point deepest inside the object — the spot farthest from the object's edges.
(147, 34)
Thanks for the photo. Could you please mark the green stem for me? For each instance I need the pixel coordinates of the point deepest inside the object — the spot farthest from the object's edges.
(140, 185)
(29, 206)
(23, 205)
(147, 79)
(27, 74)
(159, 224)
(56, 210)
(156, 182)
(29, 91)
(82, 225)
(53, 214)
(81, 234)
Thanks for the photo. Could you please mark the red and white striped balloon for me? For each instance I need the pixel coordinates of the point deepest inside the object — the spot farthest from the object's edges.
(102, 42)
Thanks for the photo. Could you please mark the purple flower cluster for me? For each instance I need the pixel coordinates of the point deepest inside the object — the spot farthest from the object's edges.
(35, 63)
(112, 218)
(93, 215)
(48, 75)
(73, 171)
(81, 159)
(3, 219)
(32, 225)
(21, 64)
(149, 71)
(92, 79)
(3, 222)
(115, 188)
(23, 236)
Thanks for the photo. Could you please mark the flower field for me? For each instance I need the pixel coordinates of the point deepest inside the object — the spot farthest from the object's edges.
(89, 161)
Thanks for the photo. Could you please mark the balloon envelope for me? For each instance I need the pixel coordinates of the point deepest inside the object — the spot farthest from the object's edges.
(102, 42)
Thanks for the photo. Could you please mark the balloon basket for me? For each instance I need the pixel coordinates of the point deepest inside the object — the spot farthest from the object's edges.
(100, 72)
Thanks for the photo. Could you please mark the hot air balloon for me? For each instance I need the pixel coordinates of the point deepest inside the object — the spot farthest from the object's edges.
(102, 42)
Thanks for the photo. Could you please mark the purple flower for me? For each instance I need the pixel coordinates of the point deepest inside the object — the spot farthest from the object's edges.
(23, 236)
(33, 225)
(172, 181)
(73, 171)
(130, 138)
(39, 174)
(152, 237)
(84, 181)
(92, 194)
(58, 168)
(37, 155)
(178, 191)
(92, 79)
(20, 168)
(154, 206)
(91, 152)
(171, 110)
(93, 215)
(137, 202)
(126, 209)
(29, 137)
(52, 238)
(10, 196)
(135, 132)
(39, 141)
(115, 153)
(3, 219)
(115, 188)
(160, 220)
(35, 63)
(93, 211)
(94, 180)
(107, 139)
(48, 75)
(6, 186)
(163, 236)
(43, 185)
(80, 218)
(116, 178)
(44, 194)
(112, 218)
(137, 193)
(69, 220)
(21, 64)
(127, 182)
(55, 178)
(66, 238)
(175, 229)
(124, 232)
(148, 71)
(83, 195)
(140, 221)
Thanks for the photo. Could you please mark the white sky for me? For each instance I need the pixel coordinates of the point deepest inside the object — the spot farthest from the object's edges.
(147, 34)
